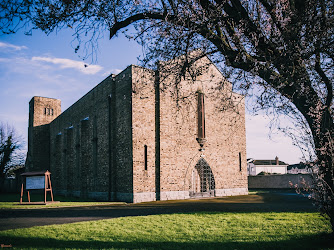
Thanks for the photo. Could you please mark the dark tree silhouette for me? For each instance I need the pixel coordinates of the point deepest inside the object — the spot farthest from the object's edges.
(284, 46)
(10, 143)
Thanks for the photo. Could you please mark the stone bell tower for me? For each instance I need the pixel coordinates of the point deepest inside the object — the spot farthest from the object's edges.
(42, 111)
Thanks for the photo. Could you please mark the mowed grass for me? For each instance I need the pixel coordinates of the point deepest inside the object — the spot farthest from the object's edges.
(182, 231)
(11, 201)
(16, 205)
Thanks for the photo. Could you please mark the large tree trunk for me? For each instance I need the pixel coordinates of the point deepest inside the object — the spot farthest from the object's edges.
(324, 196)
(323, 134)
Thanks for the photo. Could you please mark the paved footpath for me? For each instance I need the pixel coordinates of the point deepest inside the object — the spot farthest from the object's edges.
(266, 202)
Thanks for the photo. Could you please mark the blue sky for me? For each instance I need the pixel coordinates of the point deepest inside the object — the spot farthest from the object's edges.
(41, 65)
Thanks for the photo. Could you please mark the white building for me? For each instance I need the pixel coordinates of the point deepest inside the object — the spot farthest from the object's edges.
(254, 167)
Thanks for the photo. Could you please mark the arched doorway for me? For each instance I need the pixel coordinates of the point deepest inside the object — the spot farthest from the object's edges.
(202, 182)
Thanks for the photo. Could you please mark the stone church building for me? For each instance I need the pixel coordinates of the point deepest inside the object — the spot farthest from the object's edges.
(135, 138)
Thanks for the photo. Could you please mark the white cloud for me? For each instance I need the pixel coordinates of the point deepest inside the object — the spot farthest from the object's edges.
(22, 65)
(111, 71)
(11, 46)
(68, 63)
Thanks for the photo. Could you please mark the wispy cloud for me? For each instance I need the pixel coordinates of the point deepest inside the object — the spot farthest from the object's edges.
(68, 63)
(11, 46)
(111, 71)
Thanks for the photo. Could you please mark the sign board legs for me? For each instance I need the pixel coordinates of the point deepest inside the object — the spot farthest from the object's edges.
(21, 194)
(21, 198)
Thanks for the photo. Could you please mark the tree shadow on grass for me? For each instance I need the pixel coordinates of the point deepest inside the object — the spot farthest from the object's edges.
(319, 241)
(266, 202)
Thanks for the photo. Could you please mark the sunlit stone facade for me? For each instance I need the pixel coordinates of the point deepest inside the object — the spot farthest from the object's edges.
(134, 138)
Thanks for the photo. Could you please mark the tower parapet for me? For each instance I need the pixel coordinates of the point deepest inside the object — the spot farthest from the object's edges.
(43, 110)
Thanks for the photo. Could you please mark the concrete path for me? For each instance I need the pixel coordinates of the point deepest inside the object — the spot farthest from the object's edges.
(266, 202)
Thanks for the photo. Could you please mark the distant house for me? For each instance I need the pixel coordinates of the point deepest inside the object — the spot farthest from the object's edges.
(254, 167)
(299, 168)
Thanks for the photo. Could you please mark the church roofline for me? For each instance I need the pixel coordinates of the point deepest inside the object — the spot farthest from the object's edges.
(142, 67)
(112, 76)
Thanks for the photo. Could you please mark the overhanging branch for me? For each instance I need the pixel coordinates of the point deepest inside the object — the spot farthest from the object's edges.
(325, 79)
(137, 17)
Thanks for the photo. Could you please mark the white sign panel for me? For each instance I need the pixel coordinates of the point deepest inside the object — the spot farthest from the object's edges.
(35, 182)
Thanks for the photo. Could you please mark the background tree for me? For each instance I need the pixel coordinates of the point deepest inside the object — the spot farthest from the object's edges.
(10, 156)
(285, 47)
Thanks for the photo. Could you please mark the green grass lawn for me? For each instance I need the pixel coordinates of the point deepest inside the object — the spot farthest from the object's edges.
(16, 205)
(182, 231)
(37, 196)
(11, 201)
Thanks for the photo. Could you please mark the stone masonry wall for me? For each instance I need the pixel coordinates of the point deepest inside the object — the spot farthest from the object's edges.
(225, 134)
(143, 133)
(81, 146)
(72, 139)
(123, 135)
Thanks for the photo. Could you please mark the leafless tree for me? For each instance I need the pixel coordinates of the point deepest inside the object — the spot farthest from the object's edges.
(285, 47)
(10, 155)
